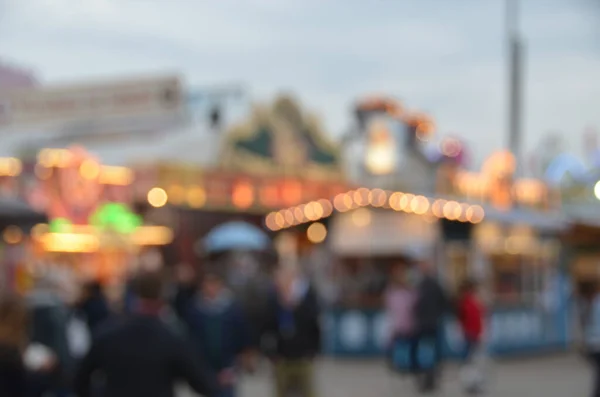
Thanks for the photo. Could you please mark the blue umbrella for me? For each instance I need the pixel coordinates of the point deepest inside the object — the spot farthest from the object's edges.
(236, 236)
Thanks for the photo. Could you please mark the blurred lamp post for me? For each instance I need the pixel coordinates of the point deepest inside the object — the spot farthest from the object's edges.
(515, 67)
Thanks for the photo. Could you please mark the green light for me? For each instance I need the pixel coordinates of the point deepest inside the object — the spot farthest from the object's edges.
(117, 217)
(60, 225)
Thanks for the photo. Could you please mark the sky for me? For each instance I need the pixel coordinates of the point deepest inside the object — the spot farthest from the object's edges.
(446, 58)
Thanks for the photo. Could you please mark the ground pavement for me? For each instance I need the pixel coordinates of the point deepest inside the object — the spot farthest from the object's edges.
(540, 377)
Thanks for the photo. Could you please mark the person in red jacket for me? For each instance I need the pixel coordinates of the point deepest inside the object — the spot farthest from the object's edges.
(470, 317)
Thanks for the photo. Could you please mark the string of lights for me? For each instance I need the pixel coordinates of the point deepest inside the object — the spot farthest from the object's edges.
(376, 198)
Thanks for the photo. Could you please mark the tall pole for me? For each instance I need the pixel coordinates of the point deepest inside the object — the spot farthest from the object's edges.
(515, 58)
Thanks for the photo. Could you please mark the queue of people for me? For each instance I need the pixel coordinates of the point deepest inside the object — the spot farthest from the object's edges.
(193, 330)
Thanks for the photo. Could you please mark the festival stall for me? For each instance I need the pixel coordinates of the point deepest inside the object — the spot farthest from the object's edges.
(92, 231)
(502, 231)
(276, 158)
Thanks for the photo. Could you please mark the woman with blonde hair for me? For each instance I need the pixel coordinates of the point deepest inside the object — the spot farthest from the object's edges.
(13, 341)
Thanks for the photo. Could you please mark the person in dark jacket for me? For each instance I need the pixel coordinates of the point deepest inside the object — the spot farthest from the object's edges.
(94, 305)
(217, 326)
(431, 306)
(48, 327)
(13, 339)
(293, 333)
(139, 355)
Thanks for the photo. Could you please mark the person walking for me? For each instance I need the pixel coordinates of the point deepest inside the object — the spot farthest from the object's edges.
(400, 301)
(294, 333)
(139, 355)
(470, 314)
(48, 328)
(13, 341)
(217, 326)
(93, 305)
(431, 306)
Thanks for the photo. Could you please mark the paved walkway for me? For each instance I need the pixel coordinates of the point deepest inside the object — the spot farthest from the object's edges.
(541, 377)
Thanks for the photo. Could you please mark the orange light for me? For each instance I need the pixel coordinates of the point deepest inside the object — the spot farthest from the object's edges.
(292, 193)
(243, 195)
(196, 197)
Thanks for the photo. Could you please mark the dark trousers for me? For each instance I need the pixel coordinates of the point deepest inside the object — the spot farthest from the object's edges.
(427, 375)
(595, 359)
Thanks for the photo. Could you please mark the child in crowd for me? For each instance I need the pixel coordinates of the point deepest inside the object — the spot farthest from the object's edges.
(471, 319)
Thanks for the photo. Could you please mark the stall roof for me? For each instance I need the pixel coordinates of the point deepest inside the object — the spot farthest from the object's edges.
(542, 220)
(385, 234)
(587, 214)
(18, 213)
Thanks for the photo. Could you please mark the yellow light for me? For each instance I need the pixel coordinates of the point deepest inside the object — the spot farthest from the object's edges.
(289, 216)
(313, 211)
(377, 197)
(176, 194)
(270, 221)
(69, 242)
(361, 217)
(395, 199)
(279, 220)
(361, 196)
(14, 167)
(89, 169)
(348, 202)
(13, 235)
(475, 214)
(308, 212)
(157, 197)
(438, 208)
(421, 205)
(152, 235)
(196, 197)
(450, 210)
(405, 202)
(316, 233)
(339, 202)
(299, 215)
(326, 206)
(462, 216)
(120, 176)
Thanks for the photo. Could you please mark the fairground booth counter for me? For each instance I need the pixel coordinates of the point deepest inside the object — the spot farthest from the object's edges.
(275, 159)
(92, 230)
(503, 232)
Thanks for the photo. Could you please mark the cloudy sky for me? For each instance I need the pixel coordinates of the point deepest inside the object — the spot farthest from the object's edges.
(443, 57)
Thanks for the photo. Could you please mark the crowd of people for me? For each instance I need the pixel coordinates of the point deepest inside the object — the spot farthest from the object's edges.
(192, 330)
(417, 307)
